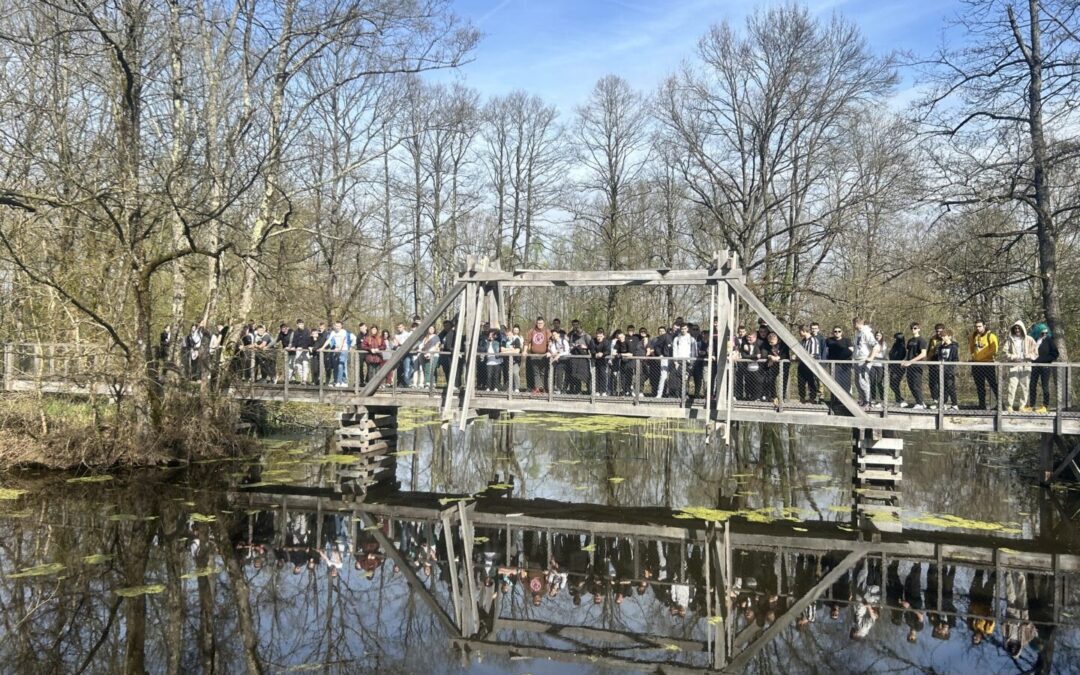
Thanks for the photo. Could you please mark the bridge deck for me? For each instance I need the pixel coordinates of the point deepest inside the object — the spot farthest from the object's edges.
(892, 417)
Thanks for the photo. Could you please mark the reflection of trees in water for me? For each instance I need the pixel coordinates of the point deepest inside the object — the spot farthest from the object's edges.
(248, 615)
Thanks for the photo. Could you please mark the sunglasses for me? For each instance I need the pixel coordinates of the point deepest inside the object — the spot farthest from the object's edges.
(837, 332)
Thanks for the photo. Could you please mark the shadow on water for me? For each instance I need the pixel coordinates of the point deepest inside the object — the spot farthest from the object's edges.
(536, 545)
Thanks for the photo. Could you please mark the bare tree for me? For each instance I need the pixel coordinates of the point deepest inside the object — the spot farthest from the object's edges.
(612, 137)
(1005, 104)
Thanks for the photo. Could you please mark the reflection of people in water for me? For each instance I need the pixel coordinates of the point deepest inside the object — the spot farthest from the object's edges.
(369, 556)
(866, 599)
(1017, 628)
(981, 620)
(914, 616)
(941, 623)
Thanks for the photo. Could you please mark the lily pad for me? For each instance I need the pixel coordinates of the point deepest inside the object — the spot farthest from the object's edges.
(46, 569)
(97, 559)
(136, 591)
(11, 493)
(203, 518)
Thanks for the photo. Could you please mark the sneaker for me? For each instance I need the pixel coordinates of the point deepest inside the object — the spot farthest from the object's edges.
(903, 404)
(918, 406)
(1042, 410)
(1025, 409)
(954, 407)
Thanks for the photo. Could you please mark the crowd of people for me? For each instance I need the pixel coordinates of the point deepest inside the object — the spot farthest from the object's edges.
(667, 363)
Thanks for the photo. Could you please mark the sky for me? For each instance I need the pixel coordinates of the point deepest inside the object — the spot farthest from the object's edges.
(559, 48)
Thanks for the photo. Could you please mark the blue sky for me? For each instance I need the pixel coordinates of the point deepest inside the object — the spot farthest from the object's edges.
(559, 48)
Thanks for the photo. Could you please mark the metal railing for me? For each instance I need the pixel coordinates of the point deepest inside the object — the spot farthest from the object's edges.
(883, 387)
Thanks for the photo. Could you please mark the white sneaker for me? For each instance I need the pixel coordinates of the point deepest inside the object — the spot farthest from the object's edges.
(954, 407)
(918, 406)
(903, 404)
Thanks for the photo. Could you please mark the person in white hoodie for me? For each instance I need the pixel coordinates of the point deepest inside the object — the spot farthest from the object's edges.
(1020, 351)
(683, 348)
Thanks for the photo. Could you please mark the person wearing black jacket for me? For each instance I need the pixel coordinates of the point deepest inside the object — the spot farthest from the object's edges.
(838, 348)
(298, 352)
(1047, 354)
(948, 352)
(748, 369)
(661, 346)
(581, 349)
(447, 336)
(318, 342)
(620, 365)
(897, 353)
(601, 347)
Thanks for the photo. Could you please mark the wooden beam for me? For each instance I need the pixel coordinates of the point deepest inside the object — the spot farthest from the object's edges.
(401, 352)
(792, 342)
(574, 278)
(472, 351)
(739, 663)
(409, 574)
(455, 356)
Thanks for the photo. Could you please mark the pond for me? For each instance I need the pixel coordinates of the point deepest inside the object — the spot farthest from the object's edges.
(546, 544)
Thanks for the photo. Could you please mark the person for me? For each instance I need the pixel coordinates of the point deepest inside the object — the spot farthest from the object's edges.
(932, 346)
(807, 381)
(559, 355)
(318, 344)
(775, 353)
(298, 349)
(1020, 350)
(838, 348)
(447, 337)
(217, 341)
(197, 343)
(620, 364)
(683, 350)
(914, 355)
(864, 352)
(897, 353)
(491, 358)
(405, 367)
(948, 353)
(417, 354)
(164, 343)
(514, 346)
(877, 370)
(581, 357)
(337, 345)
(373, 347)
(748, 386)
(600, 352)
(1046, 353)
(983, 345)
(429, 349)
(536, 367)
(264, 358)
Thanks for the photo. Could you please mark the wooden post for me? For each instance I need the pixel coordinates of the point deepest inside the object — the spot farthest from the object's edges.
(455, 353)
(712, 327)
(474, 345)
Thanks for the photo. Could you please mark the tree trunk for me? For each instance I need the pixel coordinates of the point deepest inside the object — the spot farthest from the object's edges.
(1044, 226)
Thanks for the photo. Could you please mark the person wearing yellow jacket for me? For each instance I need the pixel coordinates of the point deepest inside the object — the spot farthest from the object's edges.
(1020, 351)
(984, 347)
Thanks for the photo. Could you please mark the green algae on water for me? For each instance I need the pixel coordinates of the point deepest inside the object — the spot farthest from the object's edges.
(10, 493)
(97, 478)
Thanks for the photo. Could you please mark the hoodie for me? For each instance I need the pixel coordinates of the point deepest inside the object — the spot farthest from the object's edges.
(1020, 348)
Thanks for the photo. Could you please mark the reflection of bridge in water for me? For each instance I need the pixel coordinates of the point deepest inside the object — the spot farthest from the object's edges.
(507, 576)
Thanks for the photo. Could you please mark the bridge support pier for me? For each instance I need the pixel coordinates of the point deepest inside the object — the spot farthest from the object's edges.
(1053, 469)
(370, 433)
(878, 465)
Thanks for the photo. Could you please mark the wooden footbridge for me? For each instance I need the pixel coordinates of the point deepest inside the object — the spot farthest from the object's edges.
(706, 387)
